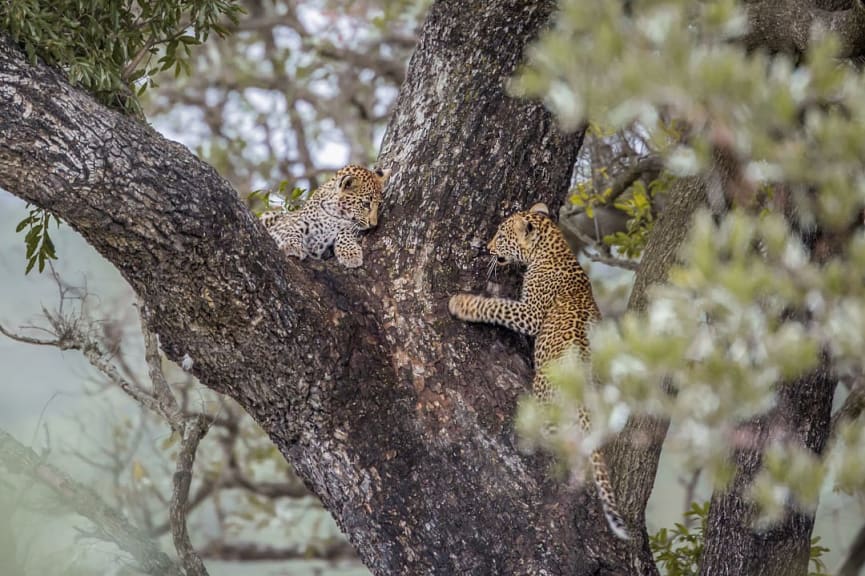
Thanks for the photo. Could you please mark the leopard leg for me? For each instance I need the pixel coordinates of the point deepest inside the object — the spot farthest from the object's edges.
(287, 230)
(347, 249)
(513, 314)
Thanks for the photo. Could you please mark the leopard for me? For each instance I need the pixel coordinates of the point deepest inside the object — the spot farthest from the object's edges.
(332, 217)
(556, 307)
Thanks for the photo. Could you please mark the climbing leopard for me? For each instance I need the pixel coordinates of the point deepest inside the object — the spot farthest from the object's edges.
(556, 306)
(332, 216)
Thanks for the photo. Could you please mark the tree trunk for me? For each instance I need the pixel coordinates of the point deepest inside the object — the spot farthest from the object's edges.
(734, 545)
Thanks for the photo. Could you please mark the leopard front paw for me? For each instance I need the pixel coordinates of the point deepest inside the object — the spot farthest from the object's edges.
(350, 260)
(462, 306)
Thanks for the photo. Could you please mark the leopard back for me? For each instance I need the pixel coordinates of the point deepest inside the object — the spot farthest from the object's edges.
(332, 217)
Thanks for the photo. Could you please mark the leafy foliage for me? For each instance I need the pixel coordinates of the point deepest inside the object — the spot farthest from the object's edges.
(750, 305)
(678, 549)
(288, 199)
(113, 49)
(108, 46)
(40, 247)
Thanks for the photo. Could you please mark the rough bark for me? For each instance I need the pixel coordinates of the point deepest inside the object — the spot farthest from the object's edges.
(786, 25)
(398, 417)
(733, 545)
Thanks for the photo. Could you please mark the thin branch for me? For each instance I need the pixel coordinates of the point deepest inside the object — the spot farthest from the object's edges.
(28, 339)
(220, 550)
(165, 399)
(194, 430)
(111, 524)
(609, 260)
(612, 261)
(646, 169)
(690, 485)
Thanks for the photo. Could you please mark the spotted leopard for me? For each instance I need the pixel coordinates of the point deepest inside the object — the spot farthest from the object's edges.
(332, 216)
(556, 306)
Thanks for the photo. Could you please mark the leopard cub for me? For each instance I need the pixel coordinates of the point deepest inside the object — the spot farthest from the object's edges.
(556, 306)
(333, 216)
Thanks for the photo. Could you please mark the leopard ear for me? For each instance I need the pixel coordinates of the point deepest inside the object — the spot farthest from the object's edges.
(540, 207)
(523, 226)
(346, 182)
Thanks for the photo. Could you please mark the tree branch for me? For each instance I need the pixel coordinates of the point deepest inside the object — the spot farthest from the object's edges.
(18, 459)
(192, 431)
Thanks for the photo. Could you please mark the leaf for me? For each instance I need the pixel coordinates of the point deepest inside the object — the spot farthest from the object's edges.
(23, 224)
(138, 471)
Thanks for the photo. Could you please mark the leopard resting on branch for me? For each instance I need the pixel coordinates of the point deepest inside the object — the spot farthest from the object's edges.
(333, 216)
(556, 306)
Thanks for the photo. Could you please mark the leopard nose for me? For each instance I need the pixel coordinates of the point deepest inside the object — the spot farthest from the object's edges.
(373, 218)
(491, 245)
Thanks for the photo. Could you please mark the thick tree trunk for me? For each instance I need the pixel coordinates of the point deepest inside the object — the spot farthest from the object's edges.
(398, 417)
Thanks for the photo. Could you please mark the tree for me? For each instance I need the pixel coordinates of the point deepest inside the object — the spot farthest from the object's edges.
(379, 400)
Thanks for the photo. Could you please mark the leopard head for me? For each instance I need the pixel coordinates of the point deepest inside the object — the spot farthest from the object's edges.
(360, 194)
(519, 235)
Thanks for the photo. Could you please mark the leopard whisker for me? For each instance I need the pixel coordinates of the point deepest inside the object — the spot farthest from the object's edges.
(491, 269)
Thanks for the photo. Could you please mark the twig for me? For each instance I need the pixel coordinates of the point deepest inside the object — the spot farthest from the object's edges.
(194, 430)
(165, 399)
(609, 260)
(690, 488)
(28, 339)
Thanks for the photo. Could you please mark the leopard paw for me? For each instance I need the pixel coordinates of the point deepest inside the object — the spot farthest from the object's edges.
(351, 259)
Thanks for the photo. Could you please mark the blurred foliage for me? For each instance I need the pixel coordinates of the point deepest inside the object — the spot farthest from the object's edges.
(751, 303)
(262, 201)
(298, 91)
(678, 549)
